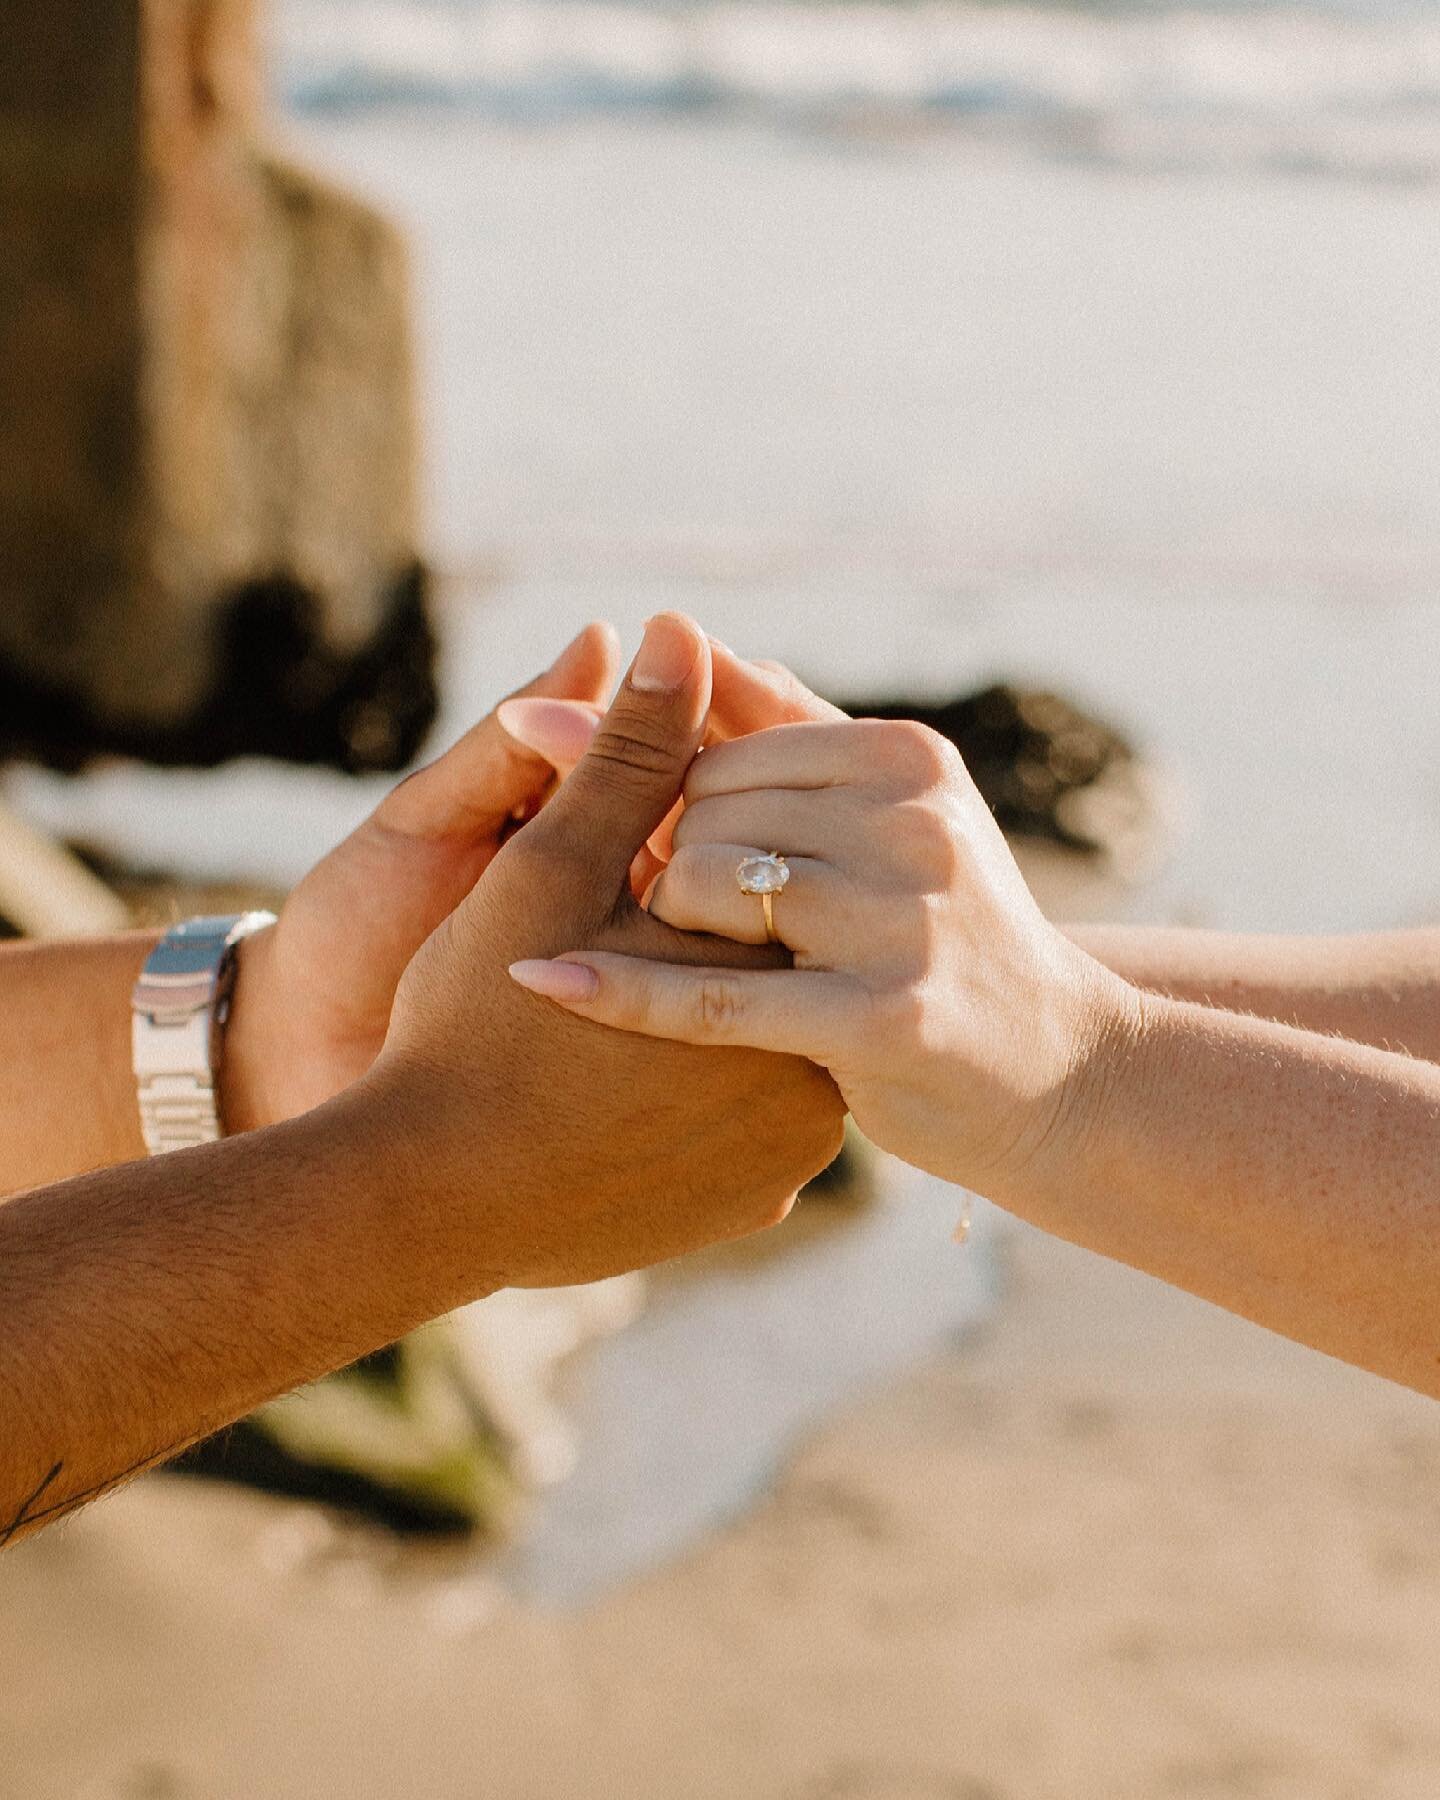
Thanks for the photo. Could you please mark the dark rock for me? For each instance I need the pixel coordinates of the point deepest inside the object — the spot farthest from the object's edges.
(247, 1456)
(278, 688)
(1029, 752)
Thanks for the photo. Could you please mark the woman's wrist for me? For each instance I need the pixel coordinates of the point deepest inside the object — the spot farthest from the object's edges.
(246, 1073)
(1106, 1087)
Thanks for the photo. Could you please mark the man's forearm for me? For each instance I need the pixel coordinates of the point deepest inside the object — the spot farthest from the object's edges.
(1289, 1177)
(1381, 988)
(147, 1305)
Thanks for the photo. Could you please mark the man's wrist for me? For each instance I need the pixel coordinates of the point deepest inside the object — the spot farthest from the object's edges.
(442, 1185)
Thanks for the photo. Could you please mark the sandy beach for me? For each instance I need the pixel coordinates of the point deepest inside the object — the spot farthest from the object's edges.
(1167, 440)
(1124, 1548)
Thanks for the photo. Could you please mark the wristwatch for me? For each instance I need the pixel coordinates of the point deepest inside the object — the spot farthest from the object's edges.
(178, 1009)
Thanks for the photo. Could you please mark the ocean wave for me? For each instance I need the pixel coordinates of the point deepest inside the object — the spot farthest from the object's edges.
(1346, 92)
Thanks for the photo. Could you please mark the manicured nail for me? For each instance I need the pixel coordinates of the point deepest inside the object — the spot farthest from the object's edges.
(558, 730)
(514, 718)
(556, 980)
(667, 654)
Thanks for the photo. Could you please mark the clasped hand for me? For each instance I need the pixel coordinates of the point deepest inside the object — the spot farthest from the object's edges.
(926, 987)
(530, 1148)
(961, 1027)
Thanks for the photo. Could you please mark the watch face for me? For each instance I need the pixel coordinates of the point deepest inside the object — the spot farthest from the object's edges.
(189, 970)
(188, 951)
(182, 972)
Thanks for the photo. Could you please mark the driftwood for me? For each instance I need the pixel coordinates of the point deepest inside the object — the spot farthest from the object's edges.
(46, 892)
(207, 421)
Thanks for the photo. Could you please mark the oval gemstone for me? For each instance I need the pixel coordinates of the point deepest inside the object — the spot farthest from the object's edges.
(763, 874)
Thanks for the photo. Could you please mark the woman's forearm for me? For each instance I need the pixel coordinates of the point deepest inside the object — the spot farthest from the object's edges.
(67, 1096)
(1379, 988)
(67, 1088)
(1289, 1177)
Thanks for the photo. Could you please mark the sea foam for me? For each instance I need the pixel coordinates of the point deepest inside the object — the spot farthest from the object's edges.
(1346, 92)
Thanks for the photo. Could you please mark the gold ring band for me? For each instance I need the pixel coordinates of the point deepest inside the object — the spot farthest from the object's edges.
(767, 900)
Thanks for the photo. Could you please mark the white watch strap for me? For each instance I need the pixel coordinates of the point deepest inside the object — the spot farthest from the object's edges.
(178, 1008)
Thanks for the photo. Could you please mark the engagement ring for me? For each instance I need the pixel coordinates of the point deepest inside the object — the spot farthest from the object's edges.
(765, 876)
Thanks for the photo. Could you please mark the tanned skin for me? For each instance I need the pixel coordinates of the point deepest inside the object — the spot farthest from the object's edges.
(489, 1144)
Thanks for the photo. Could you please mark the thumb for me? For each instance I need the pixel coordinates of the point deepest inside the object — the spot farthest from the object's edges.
(631, 775)
(559, 730)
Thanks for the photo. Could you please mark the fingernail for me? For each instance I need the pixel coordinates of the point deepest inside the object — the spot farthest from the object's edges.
(558, 730)
(667, 654)
(514, 719)
(556, 980)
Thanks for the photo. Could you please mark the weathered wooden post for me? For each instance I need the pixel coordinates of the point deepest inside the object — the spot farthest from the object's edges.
(207, 432)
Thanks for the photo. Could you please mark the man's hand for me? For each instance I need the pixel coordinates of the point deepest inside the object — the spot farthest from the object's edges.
(746, 697)
(313, 999)
(563, 1151)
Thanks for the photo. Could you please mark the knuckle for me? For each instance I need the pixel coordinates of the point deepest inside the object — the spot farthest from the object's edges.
(672, 899)
(774, 1210)
(629, 743)
(804, 1132)
(915, 752)
(695, 825)
(938, 849)
(903, 1012)
(686, 880)
(824, 1133)
(719, 1004)
(924, 842)
(708, 772)
(683, 868)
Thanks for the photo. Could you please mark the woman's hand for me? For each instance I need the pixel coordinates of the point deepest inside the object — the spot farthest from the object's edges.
(960, 1026)
(314, 994)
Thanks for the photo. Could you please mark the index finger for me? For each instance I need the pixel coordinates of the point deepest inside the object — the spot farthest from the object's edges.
(786, 756)
(745, 697)
(753, 696)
